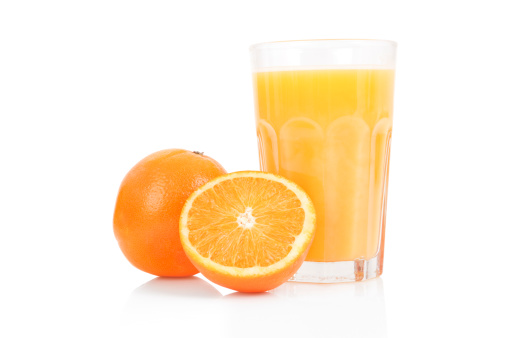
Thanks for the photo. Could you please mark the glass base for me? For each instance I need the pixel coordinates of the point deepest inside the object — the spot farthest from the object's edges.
(338, 272)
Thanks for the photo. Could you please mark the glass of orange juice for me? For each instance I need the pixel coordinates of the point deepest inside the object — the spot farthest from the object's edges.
(324, 113)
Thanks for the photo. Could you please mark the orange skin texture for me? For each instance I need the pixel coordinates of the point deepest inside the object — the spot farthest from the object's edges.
(148, 207)
(257, 284)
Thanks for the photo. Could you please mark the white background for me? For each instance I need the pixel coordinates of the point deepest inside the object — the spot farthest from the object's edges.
(88, 88)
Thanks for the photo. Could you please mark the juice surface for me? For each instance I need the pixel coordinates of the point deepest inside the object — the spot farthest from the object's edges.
(329, 131)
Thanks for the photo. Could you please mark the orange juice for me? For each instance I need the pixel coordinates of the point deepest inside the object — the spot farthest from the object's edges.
(329, 130)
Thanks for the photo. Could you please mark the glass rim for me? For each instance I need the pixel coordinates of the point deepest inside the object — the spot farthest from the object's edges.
(313, 42)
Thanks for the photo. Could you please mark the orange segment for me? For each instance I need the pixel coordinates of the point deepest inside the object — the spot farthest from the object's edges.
(247, 225)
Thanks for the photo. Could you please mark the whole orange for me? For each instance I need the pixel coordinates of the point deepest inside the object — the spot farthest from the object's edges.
(148, 207)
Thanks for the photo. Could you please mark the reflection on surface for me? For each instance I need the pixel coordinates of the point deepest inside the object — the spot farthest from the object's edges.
(309, 310)
(170, 305)
(292, 310)
(175, 287)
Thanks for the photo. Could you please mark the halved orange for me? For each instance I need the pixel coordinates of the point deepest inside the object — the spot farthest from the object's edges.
(248, 231)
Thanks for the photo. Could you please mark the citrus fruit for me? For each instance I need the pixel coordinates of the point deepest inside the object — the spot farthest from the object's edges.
(148, 209)
(248, 231)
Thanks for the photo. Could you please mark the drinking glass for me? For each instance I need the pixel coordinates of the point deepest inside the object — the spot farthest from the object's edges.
(324, 113)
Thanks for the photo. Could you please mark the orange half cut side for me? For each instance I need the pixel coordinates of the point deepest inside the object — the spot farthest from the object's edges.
(248, 230)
